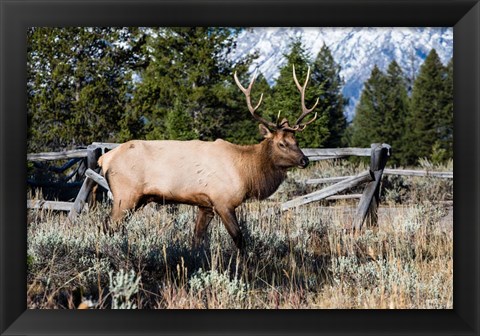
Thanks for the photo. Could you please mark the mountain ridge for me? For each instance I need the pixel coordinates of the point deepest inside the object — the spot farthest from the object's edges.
(355, 49)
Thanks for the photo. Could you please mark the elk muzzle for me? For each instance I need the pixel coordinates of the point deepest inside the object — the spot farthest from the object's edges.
(304, 161)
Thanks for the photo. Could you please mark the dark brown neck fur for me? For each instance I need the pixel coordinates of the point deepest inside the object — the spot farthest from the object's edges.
(262, 178)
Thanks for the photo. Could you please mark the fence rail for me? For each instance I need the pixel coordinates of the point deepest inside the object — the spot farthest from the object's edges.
(312, 153)
(69, 154)
(332, 153)
(49, 205)
(329, 191)
(402, 172)
(411, 172)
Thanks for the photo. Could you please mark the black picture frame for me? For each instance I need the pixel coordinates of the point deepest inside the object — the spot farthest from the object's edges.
(16, 16)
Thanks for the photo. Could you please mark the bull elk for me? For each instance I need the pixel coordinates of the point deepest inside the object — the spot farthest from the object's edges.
(215, 176)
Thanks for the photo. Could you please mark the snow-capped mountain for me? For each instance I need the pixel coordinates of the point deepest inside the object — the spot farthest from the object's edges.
(355, 49)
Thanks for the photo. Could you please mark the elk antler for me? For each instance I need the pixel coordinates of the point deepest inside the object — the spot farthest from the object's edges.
(252, 109)
(300, 127)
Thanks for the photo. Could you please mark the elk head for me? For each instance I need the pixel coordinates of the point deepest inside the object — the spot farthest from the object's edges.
(280, 136)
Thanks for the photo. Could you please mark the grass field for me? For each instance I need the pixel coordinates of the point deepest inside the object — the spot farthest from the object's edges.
(303, 258)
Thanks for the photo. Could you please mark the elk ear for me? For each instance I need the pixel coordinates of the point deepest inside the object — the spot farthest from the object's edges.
(264, 131)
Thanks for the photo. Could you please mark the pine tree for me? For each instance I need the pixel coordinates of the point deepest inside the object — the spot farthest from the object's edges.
(367, 125)
(445, 120)
(78, 84)
(327, 72)
(396, 110)
(286, 97)
(178, 123)
(411, 69)
(189, 72)
(425, 120)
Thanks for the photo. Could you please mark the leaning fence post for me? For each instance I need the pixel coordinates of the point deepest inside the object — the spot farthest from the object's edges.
(93, 153)
(370, 199)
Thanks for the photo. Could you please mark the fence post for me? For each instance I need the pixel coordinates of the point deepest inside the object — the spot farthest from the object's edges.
(370, 199)
(93, 153)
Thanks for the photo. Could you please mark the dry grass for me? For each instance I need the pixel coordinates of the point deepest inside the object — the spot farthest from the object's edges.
(302, 258)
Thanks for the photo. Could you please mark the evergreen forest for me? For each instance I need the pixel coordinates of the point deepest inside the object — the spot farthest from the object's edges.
(89, 85)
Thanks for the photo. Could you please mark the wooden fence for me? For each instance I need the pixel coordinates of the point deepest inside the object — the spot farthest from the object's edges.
(367, 208)
(369, 199)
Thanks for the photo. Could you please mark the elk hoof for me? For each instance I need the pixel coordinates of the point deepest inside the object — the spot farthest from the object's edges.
(239, 242)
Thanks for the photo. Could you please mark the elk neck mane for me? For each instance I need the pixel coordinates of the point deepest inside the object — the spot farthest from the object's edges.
(256, 165)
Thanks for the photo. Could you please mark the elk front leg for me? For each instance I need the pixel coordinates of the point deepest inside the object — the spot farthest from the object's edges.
(121, 207)
(204, 217)
(229, 219)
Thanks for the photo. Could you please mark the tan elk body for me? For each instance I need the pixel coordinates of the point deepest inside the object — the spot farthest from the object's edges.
(215, 176)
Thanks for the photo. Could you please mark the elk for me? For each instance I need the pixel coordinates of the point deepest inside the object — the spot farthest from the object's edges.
(214, 176)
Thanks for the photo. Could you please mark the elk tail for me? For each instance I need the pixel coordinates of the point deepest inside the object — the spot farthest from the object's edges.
(100, 161)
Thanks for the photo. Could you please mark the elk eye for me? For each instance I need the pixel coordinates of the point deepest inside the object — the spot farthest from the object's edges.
(282, 145)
